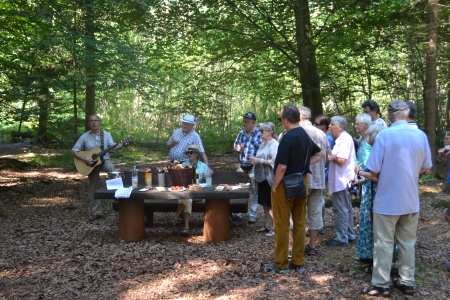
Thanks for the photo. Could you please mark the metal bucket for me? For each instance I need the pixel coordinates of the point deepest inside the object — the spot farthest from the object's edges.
(113, 175)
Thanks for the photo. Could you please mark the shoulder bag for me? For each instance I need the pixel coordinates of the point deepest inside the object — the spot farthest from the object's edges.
(294, 185)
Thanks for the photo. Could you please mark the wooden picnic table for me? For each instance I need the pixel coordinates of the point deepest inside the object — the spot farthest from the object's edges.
(217, 206)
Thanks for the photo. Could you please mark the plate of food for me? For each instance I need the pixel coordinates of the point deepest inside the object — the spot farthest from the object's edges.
(176, 188)
(160, 189)
(219, 188)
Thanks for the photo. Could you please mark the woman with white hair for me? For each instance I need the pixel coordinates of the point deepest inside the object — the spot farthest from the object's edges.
(369, 188)
(263, 164)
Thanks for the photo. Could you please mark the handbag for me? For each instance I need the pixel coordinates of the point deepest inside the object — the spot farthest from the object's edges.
(260, 176)
(294, 185)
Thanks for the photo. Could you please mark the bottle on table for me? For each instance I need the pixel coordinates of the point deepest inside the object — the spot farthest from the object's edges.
(208, 176)
(197, 176)
(134, 178)
(148, 177)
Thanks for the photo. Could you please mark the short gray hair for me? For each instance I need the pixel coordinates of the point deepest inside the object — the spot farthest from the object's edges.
(365, 118)
(397, 109)
(372, 133)
(269, 126)
(305, 112)
(342, 121)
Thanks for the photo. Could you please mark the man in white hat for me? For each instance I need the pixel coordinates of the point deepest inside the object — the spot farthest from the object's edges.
(183, 137)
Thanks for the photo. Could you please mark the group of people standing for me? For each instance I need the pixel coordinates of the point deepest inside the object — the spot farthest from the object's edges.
(387, 161)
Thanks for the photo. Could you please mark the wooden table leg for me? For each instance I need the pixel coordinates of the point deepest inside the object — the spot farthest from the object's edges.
(131, 220)
(217, 220)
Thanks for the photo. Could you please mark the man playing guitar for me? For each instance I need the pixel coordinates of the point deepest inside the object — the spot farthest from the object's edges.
(90, 139)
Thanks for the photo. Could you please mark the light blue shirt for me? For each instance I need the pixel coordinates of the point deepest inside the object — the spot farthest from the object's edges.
(363, 152)
(398, 154)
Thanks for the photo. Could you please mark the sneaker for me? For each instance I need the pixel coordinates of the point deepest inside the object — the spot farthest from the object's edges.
(299, 269)
(272, 267)
(334, 243)
(270, 233)
(236, 217)
(251, 220)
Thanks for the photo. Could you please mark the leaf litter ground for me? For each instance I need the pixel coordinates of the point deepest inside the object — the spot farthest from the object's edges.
(48, 250)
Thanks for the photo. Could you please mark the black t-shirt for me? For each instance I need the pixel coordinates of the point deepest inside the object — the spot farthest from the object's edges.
(292, 150)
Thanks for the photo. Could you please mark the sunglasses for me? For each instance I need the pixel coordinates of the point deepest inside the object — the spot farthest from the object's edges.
(190, 152)
(316, 124)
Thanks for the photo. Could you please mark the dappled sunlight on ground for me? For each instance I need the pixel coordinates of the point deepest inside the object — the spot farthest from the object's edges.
(49, 250)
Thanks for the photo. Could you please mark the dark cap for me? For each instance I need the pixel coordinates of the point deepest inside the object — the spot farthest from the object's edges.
(397, 105)
(250, 115)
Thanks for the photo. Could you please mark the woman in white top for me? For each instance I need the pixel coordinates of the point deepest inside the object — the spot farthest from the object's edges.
(263, 164)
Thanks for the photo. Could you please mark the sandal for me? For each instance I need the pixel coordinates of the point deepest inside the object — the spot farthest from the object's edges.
(406, 290)
(310, 251)
(375, 291)
(185, 232)
(264, 229)
(173, 221)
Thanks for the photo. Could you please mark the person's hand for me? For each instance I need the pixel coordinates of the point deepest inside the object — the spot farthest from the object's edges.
(238, 148)
(254, 160)
(174, 142)
(357, 167)
(444, 152)
(330, 157)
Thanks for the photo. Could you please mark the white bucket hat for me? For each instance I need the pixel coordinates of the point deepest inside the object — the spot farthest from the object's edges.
(188, 119)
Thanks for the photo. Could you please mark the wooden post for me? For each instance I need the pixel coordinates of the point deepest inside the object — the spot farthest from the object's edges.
(217, 220)
(131, 220)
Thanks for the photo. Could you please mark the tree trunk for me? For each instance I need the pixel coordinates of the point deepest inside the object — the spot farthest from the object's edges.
(43, 103)
(430, 85)
(306, 56)
(91, 73)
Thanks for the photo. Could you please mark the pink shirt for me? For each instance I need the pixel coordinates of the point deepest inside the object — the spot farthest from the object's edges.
(339, 176)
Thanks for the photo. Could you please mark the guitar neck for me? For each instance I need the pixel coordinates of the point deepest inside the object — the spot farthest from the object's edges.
(101, 154)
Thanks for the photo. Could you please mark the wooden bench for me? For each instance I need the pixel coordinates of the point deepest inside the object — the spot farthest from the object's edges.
(152, 206)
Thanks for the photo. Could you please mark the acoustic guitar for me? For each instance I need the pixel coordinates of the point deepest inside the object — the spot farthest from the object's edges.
(96, 154)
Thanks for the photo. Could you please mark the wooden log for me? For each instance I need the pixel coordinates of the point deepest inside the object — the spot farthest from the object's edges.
(131, 220)
(217, 220)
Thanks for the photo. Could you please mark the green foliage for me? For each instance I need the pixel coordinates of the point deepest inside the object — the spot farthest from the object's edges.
(426, 178)
(154, 61)
(59, 159)
(440, 204)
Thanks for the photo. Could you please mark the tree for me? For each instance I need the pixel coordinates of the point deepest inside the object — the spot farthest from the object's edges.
(429, 92)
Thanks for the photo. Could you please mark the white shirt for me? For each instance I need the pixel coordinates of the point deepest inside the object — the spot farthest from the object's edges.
(398, 154)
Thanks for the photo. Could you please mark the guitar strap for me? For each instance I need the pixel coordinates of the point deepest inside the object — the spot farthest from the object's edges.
(102, 138)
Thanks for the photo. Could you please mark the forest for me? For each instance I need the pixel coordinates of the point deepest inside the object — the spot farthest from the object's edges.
(142, 64)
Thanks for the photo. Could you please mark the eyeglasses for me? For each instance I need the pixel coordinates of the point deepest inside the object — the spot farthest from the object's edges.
(357, 124)
(94, 121)
(190, 153)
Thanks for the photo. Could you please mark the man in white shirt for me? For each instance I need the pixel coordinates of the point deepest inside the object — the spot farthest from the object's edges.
(183, 137)
(399, 154)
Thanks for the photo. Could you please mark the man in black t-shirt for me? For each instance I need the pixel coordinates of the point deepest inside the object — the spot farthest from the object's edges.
(296, 152)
